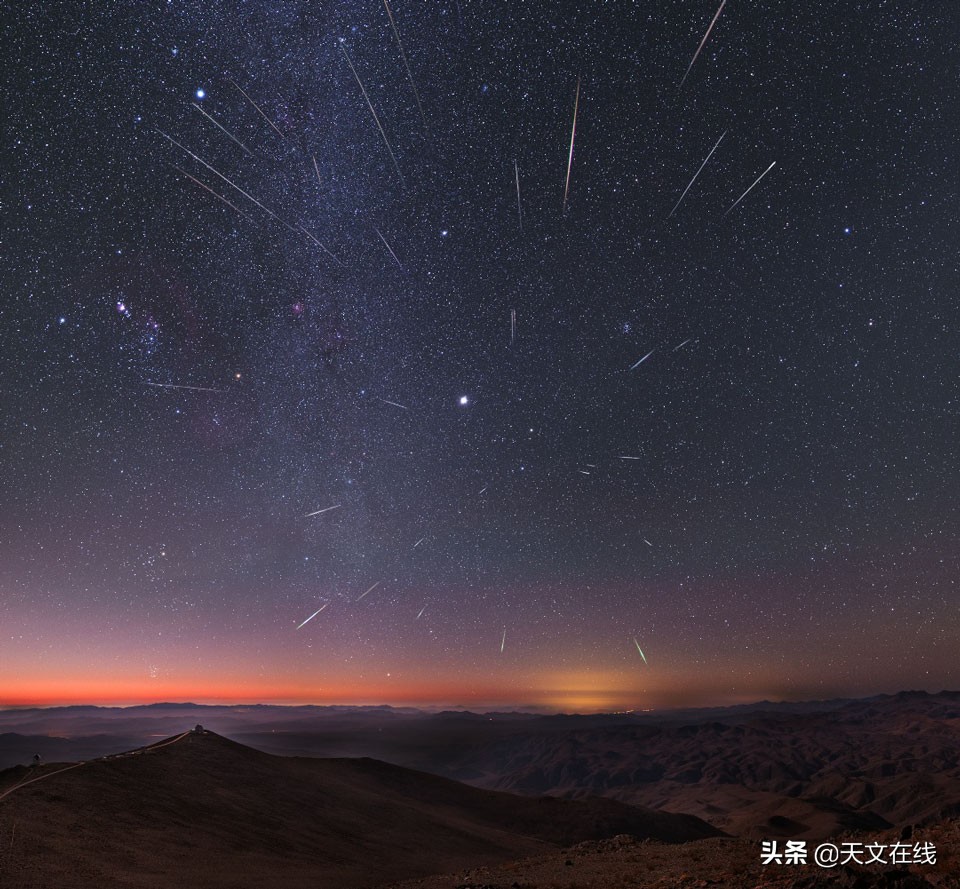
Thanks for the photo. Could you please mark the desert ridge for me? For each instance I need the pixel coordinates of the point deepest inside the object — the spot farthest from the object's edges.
(198, 809)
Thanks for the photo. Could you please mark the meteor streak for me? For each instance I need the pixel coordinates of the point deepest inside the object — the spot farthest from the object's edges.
(370, 590)
(321, 511)
(421, 613)
(393, 404)
(321, 246)
(200, 160)
(406, 64)
(737, 201)
(419, 542)
(645, 357)
(573, 133)
(503, 641)
(208, 188)
(255, 105)
(312, 616)
(682, 344)
(394, 255)
(702, 42)
(513, 325)
(222, 128)
(516, 174)
(640, 649)
(707, 158)
(174, 386)
(386, 141)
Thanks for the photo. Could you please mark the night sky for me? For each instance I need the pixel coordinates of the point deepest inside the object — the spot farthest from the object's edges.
(765, 505)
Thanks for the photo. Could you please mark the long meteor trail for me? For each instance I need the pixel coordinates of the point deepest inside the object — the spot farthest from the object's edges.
(406, 64)
(640, 649)
(737, 201)
(645, 357)
(516, 176)
(702, 42)
(321, 246)
(259, 109)
(312, 616)
(175, 386)
(205, 187)
(370, 590)
(573, 133)
(387, 245)
(222, 128)
(321, 511)
(386, 141)
(690, 184)
(216, 172)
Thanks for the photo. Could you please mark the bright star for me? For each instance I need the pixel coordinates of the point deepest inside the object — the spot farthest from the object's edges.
(201, 94)
(464, 400)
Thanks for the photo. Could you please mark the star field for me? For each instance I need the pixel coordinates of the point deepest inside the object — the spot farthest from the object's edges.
(246, 281)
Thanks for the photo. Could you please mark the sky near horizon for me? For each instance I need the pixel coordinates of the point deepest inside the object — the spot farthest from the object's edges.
(579, 355)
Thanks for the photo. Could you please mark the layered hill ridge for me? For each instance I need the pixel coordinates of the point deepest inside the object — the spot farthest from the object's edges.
(201, 810)
(866, 765)
(805, 770)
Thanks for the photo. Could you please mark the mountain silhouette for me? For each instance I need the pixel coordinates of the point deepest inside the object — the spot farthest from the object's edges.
(201, 810)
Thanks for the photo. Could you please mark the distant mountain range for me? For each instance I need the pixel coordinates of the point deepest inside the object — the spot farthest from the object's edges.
(865, 765)
(798, 769)
(201, 810)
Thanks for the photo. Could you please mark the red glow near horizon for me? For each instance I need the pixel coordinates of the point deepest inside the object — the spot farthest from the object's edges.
(549, 668)
(563, 692)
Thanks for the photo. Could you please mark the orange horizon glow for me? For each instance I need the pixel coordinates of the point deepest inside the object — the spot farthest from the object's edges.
(539, 688)
(123, 693)
(442, 698)
(581, 693)
(557, 693)
(461, 702)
